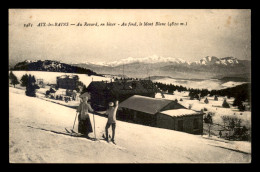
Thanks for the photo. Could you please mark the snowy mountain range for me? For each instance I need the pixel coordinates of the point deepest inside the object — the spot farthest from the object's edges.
(207, 67)
(151, 59)
(209, 60)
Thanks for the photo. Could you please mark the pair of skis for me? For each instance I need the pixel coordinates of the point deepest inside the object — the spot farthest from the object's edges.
(76, 134)
(73, 133)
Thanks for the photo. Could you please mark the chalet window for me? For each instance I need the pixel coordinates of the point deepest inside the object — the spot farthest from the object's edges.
(196, 123)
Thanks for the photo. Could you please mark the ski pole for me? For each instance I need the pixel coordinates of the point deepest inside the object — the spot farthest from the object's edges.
(94, 125)
(75, 121)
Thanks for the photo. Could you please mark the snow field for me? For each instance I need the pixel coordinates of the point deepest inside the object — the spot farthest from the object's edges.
(210, 84)
(143, 144)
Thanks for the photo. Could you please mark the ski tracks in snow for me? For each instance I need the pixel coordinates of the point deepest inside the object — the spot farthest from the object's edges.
(82, 138)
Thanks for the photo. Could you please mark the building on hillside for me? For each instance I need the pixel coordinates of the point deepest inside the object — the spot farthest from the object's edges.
(72, 93)
(103, 92)
(40, 83)
(160, 113)
(67, 81)
(60, 92)
(246, 105)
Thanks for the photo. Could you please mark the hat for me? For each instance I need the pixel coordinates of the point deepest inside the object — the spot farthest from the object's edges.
(111, 104)
(86, 94)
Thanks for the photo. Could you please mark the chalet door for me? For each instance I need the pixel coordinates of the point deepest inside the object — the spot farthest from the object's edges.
(180, 125)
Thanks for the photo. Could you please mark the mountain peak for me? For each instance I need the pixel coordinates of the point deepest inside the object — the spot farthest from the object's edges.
(212, 60)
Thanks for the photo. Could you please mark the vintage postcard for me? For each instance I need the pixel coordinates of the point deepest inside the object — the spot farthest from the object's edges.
(129, 85)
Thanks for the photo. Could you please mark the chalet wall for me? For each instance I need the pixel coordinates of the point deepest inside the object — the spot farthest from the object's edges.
(168, 122)
(165, 121)
(66, 83)
(136, 117)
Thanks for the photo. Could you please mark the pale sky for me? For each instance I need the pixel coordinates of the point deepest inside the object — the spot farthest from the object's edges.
(220, 33)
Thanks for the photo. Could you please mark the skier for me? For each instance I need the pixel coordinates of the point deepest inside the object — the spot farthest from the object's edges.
(111, 120)
(84, 126)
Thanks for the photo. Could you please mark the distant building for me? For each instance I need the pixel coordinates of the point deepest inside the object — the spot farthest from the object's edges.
(161, 113)
(247, 106)
(103, 92)
(40, 83)
(67, 81)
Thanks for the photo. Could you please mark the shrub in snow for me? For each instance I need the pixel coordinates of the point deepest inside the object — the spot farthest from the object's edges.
(181, 100)
(206, 101)
(208, 118)
(176, 100)
(225, 104)
(216, 98)
(47, 92)
(30, 90)
(205, 109)
(190, 106)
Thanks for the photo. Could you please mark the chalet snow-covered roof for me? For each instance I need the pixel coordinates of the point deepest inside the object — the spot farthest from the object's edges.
(145, 104)
(67, 76)
(180, 112)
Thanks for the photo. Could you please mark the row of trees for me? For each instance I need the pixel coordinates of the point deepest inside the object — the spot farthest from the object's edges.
(170, 87)
(27, 81)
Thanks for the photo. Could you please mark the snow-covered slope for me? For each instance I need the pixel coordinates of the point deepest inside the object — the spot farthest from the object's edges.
(30, 140)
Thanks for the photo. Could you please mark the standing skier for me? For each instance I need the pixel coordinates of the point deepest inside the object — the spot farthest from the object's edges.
(111, 119)
(84, 126)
